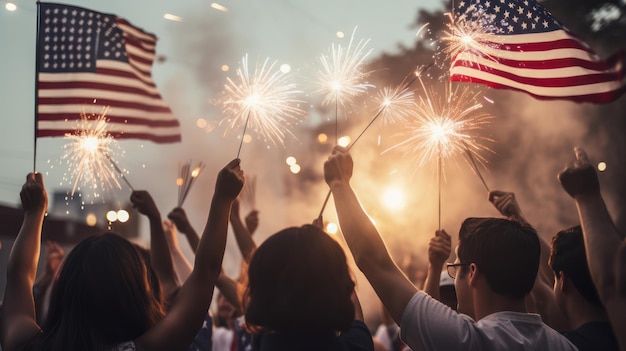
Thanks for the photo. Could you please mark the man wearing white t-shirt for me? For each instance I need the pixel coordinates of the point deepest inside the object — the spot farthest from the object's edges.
(496, 266)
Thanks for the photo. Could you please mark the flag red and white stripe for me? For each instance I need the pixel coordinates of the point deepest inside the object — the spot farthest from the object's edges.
(110, 65)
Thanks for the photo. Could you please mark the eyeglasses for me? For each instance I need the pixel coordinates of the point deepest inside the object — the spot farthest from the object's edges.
(451, 268)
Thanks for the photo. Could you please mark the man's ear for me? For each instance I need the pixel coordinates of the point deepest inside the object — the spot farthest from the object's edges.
(564, 283)
(472, 275)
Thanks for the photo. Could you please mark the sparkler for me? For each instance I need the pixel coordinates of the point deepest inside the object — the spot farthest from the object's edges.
(88, 153)
(471, 34)
(341, 77)
(186, 178)
(265, 100)
(445, 126)
(394, 104)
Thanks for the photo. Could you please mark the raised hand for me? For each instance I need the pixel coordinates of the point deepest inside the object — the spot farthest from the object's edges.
(439, 248)
(179, 217)
(229, 181)
(579, 177)
(252, 221)
(339, 166)
(143, 202)
(506, 204)
(33, 195)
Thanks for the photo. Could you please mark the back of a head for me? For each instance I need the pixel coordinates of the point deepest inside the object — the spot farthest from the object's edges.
(567, 254)
(102, 297)
(505, 252)
(298, 280)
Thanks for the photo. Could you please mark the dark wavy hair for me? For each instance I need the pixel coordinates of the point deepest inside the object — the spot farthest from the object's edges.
(299, 280)
(506, 252)
(567, 254)
(105, 295)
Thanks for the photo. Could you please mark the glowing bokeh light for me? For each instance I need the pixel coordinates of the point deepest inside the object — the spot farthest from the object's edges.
(123, 216)
(247, 138)
(91, 219)
(170, 17)
(393, 199)
(295, 168)
(332, 228)
(322, 138)
(225, 68)
(291, 160)
(344, 141)
(10, 6)
(285, 68)
(602, 166)
(340, 34)
(219, 7)
(111, 216)
(179, 181)
(201, 123)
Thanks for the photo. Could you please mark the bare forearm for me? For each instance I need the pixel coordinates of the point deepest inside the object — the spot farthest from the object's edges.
(431, 285)
(229, 289)
(24, 257)
(602, 241)
(361, 236)
(181, 265)
(213, 242)
(192, 238)
(244, 239)
(160, 255)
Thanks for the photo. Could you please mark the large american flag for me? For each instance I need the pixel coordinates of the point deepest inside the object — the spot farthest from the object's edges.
(88, 60)
(522, 47)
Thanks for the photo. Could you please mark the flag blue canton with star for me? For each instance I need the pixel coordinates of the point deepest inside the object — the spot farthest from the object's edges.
(508, 16)
(73, 39)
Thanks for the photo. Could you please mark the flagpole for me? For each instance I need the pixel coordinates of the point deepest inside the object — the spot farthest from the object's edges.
(36, 85)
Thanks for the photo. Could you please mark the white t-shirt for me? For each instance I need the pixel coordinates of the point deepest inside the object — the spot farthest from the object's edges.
(427, 324)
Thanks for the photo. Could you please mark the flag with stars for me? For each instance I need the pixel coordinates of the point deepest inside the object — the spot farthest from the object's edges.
(517, 44)
(87, 60)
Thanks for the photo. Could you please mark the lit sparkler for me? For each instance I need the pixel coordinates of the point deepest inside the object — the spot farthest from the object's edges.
(265, 100)
(186, 178)
(470, 37)
(445, 126)
(88, 153)
(342, 78)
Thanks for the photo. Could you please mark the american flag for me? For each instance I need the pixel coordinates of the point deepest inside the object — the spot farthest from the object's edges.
(520, 46)
(88, 60)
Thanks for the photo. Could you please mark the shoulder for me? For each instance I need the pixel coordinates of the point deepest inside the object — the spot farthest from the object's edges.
(358, 337)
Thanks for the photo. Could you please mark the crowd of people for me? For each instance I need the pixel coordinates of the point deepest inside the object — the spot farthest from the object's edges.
(507, 289)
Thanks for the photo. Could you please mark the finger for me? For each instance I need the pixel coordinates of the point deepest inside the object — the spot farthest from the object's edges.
(581, 155)
(38, 177)
(495, 193)
(234, 163)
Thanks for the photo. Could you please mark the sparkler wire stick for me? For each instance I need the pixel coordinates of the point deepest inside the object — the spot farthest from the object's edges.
(194, 174)
(474, 166)
(37, 62)
(439, 171)
(245, 127)
(120, 172)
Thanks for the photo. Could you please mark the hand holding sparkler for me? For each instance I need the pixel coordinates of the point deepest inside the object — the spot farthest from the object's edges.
(33, 195)
(507, 205)
(579, 177)
(229, 182)
(143, 202)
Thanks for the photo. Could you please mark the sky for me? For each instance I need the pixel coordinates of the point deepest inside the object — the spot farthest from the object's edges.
(295, 32)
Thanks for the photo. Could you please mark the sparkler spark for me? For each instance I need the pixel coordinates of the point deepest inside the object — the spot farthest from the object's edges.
(396, 103)
(470, 35)
(445, 126)
(88, 153)
(341, 77)
(265, 100)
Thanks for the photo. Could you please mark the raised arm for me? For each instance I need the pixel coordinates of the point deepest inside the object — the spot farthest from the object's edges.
(178, 328)
(366, 245)
(179, 217)
(160, 255)
(244, 238)
(439, 249)
(18, 318)
(181, 265)
(602, 239)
